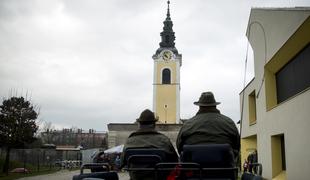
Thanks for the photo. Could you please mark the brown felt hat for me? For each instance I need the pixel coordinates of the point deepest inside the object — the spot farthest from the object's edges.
(206, 99)
(147, 116)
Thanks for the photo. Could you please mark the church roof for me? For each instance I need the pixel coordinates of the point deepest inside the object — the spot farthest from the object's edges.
(167, 35)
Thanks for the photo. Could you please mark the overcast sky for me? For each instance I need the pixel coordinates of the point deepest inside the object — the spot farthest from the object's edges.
(87, 63)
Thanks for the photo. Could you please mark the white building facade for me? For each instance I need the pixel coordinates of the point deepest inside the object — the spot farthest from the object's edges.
(275, 105)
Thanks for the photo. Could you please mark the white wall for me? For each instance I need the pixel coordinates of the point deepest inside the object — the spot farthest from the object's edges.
(271, 28)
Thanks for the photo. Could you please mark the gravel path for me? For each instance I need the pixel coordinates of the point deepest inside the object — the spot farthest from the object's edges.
(67, 175)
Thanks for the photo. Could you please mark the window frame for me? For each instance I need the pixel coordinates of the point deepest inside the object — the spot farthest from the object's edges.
(164, 73)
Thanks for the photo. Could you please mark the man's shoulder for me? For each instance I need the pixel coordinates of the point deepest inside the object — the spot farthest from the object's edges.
(208, 116)
(152, 137)
(162, 135)
(193, 120)
(228, 120)
(202, 116)
(225, 117)
(144, 133)
(159, 135)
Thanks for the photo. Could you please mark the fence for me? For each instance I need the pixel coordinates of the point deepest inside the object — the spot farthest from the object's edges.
(43, 159)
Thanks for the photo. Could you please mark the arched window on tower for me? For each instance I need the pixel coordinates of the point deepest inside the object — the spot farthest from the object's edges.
(166, 76)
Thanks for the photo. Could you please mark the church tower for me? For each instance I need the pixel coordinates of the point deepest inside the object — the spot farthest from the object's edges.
(166, 86)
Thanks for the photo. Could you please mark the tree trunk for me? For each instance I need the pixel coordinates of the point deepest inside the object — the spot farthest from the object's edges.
(7, 161)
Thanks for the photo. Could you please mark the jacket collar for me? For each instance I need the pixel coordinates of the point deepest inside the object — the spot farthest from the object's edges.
(144, 131)
(208, 110)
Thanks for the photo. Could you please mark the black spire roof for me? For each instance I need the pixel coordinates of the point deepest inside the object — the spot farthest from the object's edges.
(167, 35)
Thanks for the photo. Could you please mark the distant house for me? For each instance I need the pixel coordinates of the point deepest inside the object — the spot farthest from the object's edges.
(68, 153)
(75, 138)
(276, 103)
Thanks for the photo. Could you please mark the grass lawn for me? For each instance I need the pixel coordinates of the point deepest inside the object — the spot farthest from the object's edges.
(33, 171)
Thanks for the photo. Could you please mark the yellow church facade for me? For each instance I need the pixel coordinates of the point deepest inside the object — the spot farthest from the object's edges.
(167, 88)
(166, 82)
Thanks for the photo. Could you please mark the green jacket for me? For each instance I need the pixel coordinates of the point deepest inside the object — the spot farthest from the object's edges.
(149, 138)
(209, 128)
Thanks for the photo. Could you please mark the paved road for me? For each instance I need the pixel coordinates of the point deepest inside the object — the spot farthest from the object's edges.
(67, 175)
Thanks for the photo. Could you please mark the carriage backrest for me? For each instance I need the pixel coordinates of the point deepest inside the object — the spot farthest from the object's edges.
(209, 155)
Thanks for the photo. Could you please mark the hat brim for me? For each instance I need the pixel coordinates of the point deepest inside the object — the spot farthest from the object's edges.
(204, 104)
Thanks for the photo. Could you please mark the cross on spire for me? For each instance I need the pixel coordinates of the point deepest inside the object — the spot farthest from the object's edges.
(168, 11)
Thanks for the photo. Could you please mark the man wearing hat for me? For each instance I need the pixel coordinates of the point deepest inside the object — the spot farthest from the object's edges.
(147, 137)
(209, 126)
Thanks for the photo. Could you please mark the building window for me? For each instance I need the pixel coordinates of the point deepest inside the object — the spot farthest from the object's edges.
(278, 154)
(166, 76)
(287, 72)
(294, 77)
(283, 152)
(252, 108)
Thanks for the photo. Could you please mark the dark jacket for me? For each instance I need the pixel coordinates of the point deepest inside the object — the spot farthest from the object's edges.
(209, 127)
(149, 138)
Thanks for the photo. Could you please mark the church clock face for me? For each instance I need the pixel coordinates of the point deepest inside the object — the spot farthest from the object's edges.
(167, 55)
